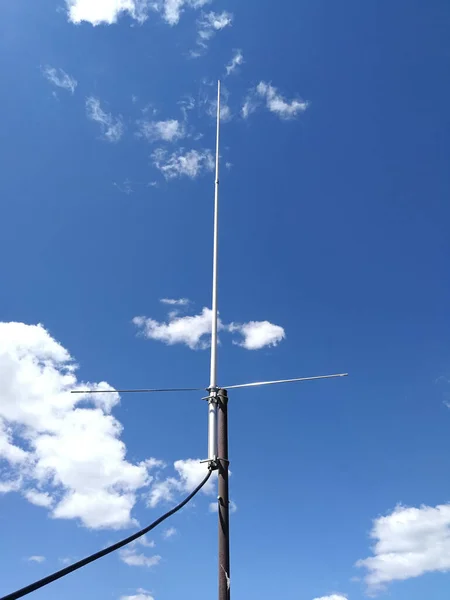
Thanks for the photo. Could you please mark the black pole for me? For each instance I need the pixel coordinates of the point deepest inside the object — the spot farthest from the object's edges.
(224, 504)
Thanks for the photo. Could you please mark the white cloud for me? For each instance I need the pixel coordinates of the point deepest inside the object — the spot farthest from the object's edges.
(154, 463)
(140, 595)
(134, 559)
(36, 559)
(258, 334)
(408, 542)
(112, 127)
(187, 103)
(236, 61)
(180, 163)
(178, 330)
(277, 104)
(210, 23)
(168, 533)
(13, 485)
(168, 131)
(332, 597)
(38, 498)
(249, 107)
(60, 78)
(69, 454)
(225, 110)
(102, 509)
(214, 508)
(162, 491)
(274, 101)
(217, 21)
(107, 12)
(175, 302)
(194, 331)
(171, 9)
(190, 473)
(13, 454)
(144, 541)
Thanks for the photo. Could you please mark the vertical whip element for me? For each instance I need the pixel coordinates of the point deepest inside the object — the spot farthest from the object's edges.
(212, 401)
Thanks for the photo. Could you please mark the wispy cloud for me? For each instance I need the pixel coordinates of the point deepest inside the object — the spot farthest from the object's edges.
(236, 61)
(207, 100)
(126, 187)
(162, 491)
(13, 454)
(38, 498)
(274, 102)
(60, 78)
(194, 331)
(36, 559)
(141, 594)
(277, 104)
(131, 555)
(408, 543)
(170, 532)
(332, 597)
(170, 130)
(144, 541)
(225, 110)
(132, 558)
(250, 105)
(154, 463)
(11, 485)
(175, 302)
(112, 127)
(171, 10)
(187, 104)
(181, 163)
(98, 12)
(208, 25)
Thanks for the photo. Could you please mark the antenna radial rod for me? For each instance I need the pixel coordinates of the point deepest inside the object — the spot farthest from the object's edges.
(258, 383)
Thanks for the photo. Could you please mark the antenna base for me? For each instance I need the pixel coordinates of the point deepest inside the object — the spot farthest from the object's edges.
(213, 393)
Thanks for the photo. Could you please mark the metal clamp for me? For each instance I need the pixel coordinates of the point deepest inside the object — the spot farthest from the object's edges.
(213, 465)
(213, 394)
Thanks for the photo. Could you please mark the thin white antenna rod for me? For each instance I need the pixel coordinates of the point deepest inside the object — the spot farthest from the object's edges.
(213, 378)
(212, 403)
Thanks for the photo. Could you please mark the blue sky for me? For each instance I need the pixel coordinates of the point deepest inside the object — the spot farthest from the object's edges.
(333, 257)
